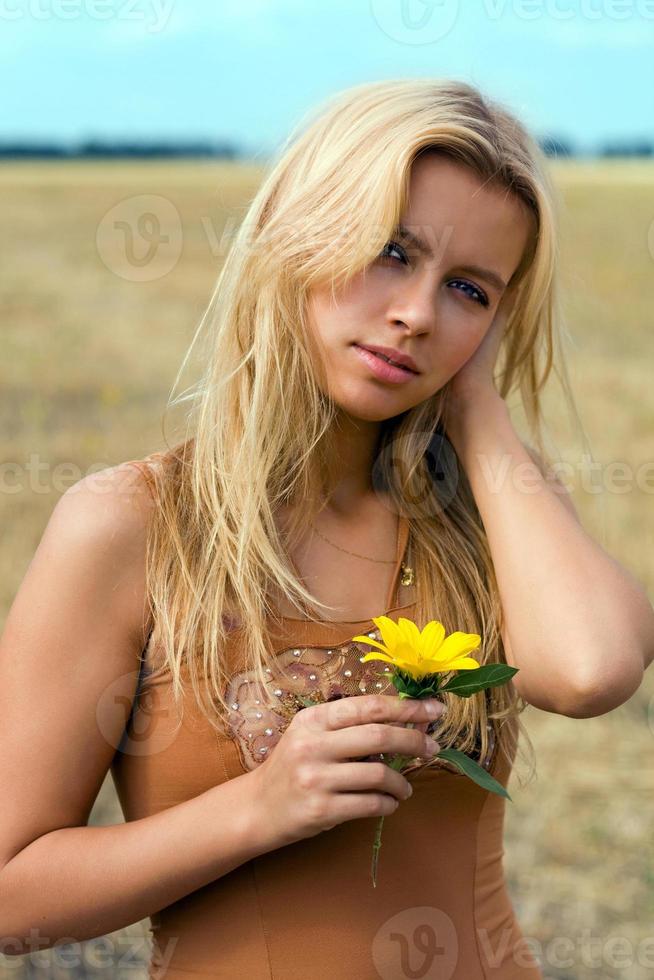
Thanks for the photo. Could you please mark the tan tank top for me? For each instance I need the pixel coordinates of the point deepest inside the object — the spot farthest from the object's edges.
(308, 911)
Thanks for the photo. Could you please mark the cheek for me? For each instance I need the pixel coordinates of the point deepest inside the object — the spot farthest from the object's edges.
(329, 323)
(451, 351)
(356, 310)
(330, 335)
(467, 344)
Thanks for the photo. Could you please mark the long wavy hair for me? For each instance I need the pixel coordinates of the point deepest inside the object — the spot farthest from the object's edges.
(260, 426)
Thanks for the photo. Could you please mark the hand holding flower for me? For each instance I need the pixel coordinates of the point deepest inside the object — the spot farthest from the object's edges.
(419, 658)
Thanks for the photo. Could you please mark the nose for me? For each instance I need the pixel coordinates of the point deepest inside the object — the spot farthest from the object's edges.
(414, 306)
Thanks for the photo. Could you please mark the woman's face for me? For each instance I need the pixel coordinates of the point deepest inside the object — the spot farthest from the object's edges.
(431, 306)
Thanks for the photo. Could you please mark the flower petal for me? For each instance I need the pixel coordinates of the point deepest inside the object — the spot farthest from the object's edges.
(410, 632)
(432, 637)
(417, 670)
(457, 644)
(389, 630)
(378, 656)
(371, 642)
(465, 663)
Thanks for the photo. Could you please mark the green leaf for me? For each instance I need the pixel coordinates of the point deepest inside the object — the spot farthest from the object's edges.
(476, 772)
(410, 687)
(468, 682)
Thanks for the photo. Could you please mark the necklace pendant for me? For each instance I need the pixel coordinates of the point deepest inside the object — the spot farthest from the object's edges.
(406, 577)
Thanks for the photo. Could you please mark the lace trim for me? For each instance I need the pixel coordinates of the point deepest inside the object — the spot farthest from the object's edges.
(258, 716)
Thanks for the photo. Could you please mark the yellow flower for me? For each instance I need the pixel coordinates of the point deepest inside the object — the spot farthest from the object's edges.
(419, 653)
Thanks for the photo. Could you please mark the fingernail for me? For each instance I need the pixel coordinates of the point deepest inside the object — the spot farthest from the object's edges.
(435, 707)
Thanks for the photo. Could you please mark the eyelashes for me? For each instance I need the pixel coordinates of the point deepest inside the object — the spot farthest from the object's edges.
(392, 246)
(479, 297)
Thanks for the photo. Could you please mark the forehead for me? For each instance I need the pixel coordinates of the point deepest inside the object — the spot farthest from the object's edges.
(463, 217)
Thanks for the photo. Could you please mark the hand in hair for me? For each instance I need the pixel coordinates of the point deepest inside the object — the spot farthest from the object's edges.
(475, 378)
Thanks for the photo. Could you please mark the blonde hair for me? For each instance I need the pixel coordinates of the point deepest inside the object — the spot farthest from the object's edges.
(260, 426)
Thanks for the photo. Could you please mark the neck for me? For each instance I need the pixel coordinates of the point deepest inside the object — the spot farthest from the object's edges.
(354, 446)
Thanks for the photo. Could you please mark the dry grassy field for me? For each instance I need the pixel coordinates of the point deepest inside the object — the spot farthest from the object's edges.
(91, 343)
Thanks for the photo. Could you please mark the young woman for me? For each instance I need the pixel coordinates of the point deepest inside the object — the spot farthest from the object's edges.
(341, 463)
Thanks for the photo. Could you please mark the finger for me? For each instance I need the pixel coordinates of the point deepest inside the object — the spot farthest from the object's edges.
(420, 726)
(357, 776)
(364, 740)
(366, 708)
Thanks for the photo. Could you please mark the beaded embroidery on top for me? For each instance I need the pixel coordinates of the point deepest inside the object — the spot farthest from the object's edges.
(258, 718)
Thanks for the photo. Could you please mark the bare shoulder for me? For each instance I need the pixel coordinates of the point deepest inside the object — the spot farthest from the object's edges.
(121, 492)
(102, 521)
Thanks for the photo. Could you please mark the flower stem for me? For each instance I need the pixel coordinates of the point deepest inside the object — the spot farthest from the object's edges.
(396, 763)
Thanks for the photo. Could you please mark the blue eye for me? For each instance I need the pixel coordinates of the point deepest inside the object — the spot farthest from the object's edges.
(480, 298)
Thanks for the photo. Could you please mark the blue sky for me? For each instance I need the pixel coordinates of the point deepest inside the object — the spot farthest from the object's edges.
(247, 71)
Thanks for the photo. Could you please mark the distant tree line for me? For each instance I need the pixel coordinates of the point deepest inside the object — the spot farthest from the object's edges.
(553, 146)
(17, 149)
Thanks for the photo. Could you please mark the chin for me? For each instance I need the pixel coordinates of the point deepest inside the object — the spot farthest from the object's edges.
(368, 409)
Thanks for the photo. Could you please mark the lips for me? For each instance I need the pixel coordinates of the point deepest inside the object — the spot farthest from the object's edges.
(392, 356)
(383, 369)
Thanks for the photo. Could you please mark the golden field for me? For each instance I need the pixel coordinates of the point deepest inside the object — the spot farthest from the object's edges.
(91, 344)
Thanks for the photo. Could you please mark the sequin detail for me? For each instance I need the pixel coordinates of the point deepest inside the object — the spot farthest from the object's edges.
(259, 717)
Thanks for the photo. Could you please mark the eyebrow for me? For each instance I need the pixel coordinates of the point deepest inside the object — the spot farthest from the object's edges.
(474, 270)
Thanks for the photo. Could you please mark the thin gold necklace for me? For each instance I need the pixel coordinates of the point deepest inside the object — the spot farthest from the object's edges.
(407, 575)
